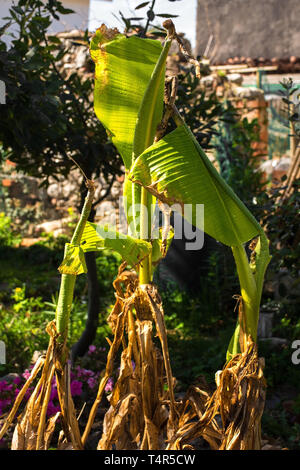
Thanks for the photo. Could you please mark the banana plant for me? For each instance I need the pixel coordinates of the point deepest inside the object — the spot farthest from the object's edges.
(177, 171)
(129, 95)
(128, 100)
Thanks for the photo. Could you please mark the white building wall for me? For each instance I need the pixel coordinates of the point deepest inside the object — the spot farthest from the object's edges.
(78, 20)
(4, 6)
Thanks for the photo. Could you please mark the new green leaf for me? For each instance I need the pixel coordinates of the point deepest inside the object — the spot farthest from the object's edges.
(96, 237)
(123, 70)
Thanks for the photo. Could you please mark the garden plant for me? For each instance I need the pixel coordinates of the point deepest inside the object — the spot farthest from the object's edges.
(48, 122)
(134, 102)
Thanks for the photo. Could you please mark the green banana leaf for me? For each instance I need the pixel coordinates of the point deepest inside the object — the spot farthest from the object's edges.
(151, 109)
(149, 116)
(177, 171)
(123, 70)
(74, 261)
(128, 98)
(96, 237)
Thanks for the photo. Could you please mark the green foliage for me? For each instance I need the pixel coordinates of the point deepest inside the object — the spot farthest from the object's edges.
(48, 116)
(27, 307)
(7, 236)
(202, 111)
(24, 214)
(236, 156)
(195, 323)
(49, 241)
(282, 224)
(135, 23)
(130, 107)
(288, 89)
(107, 266)
(199, 326)
(280, 424)
(197, 335)
(74, 260)
(22, 327)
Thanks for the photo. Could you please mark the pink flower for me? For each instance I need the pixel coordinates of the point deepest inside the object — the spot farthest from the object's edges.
(92, 349)
(4, 404)
(26, 374)
(53, 394)
(28, 393)
(109, 386)
(88, 373)
(17, 381)
(52, 409)
(91, 382)
(3, 385)
(79, 371)
(83, 372)
(76, 387)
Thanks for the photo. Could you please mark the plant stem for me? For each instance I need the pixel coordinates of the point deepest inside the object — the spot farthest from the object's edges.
(248, 291)
(84, 213)
(145, 267)
(140, 145)
(148, 20)
(67, 285)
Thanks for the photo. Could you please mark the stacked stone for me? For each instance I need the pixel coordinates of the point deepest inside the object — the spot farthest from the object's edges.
(284, 65)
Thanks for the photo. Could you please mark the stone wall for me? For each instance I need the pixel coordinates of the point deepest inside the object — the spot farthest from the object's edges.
(249, 28)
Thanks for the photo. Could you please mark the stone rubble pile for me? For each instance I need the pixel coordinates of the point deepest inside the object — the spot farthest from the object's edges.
(284, 65)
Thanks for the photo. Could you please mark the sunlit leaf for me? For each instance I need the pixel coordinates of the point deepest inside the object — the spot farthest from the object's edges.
(96, 237)
(177, 171)
(123, 70)
(74, 261)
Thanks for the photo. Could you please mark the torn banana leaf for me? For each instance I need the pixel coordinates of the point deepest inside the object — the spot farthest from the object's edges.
(161, 245)
(123, 70)
(96, 237)
(177, 171)
(128, 98)
(74, 261)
